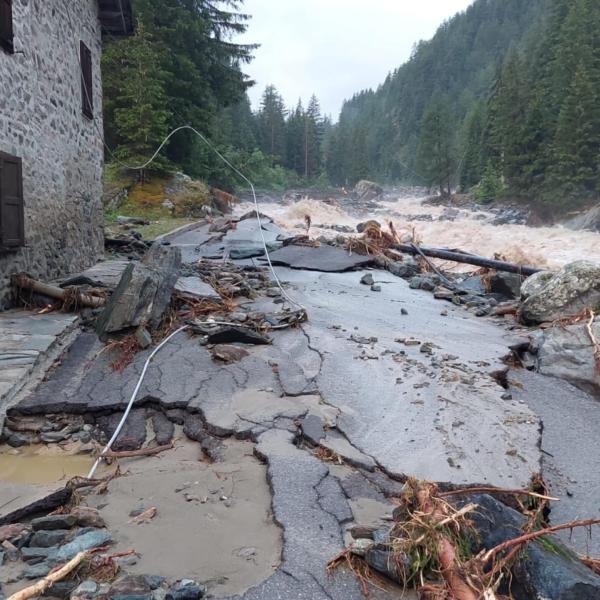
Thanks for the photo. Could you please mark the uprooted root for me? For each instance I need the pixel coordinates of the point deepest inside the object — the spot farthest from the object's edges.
(431, 544)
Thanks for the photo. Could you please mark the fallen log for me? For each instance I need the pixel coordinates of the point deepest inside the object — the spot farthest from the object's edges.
(471, 259)
(25, 282)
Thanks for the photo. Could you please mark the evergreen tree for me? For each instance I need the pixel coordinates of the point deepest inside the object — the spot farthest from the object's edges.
(271, 125)
(136, 99)
(313, 139)
(437, 157)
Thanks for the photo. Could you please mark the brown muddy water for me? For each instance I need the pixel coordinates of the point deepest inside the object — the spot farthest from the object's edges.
(41, 465)
(545, 247)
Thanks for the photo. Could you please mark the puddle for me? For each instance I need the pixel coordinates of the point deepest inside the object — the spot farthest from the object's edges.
(41, 465)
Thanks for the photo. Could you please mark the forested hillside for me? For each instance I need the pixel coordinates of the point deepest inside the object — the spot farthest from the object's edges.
(380, 133)
(504, 99)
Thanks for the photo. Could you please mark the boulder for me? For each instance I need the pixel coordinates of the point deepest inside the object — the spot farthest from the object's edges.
(568, 353)
(534, 284)
(570, 291)
(144, 291)
(507, 285)
(367, 190)
(546, 570)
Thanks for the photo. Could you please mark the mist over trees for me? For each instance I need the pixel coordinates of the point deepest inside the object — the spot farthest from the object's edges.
(504, 100)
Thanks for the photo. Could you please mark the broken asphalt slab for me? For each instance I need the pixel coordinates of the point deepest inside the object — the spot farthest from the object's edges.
(323, 258)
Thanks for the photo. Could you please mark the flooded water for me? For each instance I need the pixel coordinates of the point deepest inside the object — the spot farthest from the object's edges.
(41, 465)
(550, 247)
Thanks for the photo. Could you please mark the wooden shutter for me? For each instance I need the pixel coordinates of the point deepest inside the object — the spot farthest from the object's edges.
(6, 25)
(87, 88)
(12, 230)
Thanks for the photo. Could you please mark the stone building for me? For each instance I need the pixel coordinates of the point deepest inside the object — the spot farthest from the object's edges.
(51, 145)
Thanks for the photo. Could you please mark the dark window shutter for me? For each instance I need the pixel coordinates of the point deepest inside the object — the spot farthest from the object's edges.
(12, 230)
(6, 25)
(87, 88)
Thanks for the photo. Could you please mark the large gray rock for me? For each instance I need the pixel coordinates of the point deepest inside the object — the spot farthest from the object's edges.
(546, 570)
(144, 291)
(367, 190)
(568, 353)
(534, 284)
(573, 289)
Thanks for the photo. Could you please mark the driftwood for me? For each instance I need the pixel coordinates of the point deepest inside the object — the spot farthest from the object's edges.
(140, 452)
(25, 282)
(471, 259)
(37, 589)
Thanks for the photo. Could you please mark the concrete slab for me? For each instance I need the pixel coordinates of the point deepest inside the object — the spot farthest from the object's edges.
(27, 341)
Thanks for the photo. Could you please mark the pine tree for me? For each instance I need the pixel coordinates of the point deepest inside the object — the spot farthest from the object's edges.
(437, 158)
(271, 125)
(137, 100)
(313, 139)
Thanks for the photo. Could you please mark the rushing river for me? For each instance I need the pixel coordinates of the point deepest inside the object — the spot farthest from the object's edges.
(471, 231)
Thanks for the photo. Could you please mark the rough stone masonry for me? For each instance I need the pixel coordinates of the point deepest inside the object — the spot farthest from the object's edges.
(41, 122)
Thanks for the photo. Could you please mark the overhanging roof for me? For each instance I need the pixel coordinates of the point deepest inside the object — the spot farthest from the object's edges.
(116, 17)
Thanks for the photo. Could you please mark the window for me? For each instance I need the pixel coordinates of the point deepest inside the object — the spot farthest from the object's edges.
(12, 233)
(6, 25)
(87, 88)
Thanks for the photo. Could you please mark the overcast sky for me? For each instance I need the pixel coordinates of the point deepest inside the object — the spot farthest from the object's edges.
(336, 47)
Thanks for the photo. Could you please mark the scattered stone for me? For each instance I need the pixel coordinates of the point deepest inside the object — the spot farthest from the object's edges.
(86, 589)
(10, 551)
(9, 532)
(186, 589)
(426, 348)
(53, 522)
(61, 589)
(130, 587)
(422, 282)
(376, 287)
(195, 430)
(37, 571)
(393, 567)
(194, 288)
(88, 517)
(154, 581)
(273, 292)
(403, 311)
(143, 337)
(87, 541)
(367, 279)
(443, 293)
(133, 434)
(228, 354)
(570, 291)
(30, 553)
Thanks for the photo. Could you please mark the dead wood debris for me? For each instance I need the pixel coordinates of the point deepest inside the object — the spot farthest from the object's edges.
(431, 544)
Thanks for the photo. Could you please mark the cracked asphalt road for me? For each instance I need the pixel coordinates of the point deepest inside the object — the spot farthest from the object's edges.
(421, 400)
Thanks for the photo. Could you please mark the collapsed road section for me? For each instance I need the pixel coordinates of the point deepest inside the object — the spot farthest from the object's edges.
(260, 444)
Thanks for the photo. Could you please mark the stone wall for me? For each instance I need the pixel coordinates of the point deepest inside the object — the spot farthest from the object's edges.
(41, 121)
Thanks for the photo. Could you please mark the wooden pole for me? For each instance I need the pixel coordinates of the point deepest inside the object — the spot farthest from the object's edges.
(26, 283)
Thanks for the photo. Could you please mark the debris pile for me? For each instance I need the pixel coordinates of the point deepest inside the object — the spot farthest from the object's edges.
(470, 544)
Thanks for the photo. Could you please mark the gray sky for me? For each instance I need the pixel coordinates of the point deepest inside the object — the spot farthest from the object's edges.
(336, 47)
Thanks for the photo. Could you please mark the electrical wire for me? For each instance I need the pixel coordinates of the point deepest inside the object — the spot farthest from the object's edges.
(115, 435)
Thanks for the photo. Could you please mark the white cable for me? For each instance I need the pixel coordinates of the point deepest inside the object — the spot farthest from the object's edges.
(132, 400)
